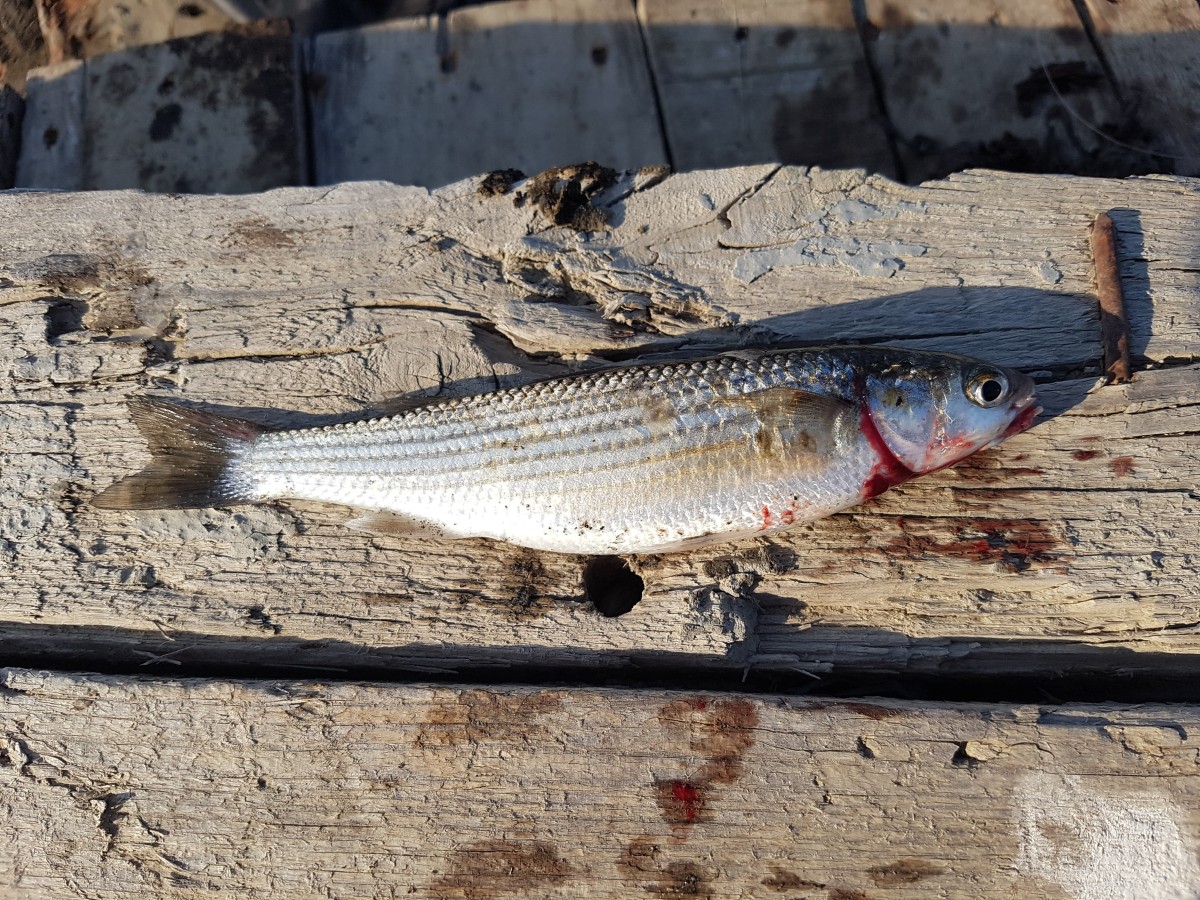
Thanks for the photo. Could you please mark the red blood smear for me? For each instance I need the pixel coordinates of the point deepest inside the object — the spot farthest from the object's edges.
(688, 796)
(787, 517)
(766, 514)
(888, 471)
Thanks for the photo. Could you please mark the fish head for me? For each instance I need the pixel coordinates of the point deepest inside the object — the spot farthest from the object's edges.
(933, 410)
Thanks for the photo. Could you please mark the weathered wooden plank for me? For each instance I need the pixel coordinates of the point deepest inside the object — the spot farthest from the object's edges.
(527, 84)
(52, 150)
(212, 113)
(1067, 543)
(743, 83)
(1150, 49)
(117, 787)
(1001, 84)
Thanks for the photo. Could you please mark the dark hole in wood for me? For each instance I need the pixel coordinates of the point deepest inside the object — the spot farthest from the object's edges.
(191, 10)
(50, 137)
(611, 586)
(63, 317)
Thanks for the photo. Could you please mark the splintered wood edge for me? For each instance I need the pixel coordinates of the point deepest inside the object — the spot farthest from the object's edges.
(137, 786)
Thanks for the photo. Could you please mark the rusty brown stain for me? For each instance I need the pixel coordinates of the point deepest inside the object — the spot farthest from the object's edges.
(1013, 545)
(681, 879)
(873, 711)
(782, 880)
(903, 871)
(639, 864)
(1085, 455)
(870, 710)
(489, 869)
(1121, 466)
(847, 894)
(474, 716)
(992, 466)
(257, 233)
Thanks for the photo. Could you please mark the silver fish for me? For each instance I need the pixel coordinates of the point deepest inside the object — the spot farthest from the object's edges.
(634, 459)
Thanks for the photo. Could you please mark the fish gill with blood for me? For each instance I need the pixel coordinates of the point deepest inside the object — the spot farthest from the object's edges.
(644, 458)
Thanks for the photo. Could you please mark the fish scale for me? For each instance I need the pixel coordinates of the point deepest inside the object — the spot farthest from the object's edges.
(634, 459)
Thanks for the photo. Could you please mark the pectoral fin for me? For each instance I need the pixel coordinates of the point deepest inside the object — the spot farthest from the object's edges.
(798, 424)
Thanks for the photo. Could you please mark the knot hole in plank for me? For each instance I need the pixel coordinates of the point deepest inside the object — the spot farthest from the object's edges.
(611, 586)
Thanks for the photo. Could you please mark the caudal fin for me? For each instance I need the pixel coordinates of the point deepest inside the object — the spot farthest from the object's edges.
(191, 454)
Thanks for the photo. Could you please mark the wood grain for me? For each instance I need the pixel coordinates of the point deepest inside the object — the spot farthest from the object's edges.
(184, 789)
(1069, 549)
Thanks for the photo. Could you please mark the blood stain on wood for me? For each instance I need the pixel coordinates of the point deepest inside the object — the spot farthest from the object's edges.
(681, 802)
(1085, 455)
(488, 869)
(903, 871)
(721, 731)
(1014, 545)
(474, 716)
(847, 894)
(1121, 466)
(782, 880)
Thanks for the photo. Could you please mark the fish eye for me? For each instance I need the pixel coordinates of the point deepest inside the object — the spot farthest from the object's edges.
(987, 389)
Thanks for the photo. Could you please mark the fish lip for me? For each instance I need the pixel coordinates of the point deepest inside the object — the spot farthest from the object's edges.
(1023, 421)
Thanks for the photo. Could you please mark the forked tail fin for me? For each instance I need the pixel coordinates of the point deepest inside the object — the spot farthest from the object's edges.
(191, 451)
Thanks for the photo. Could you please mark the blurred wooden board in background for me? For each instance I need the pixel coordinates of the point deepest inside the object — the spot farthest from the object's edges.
(910, 91)
(742, 83)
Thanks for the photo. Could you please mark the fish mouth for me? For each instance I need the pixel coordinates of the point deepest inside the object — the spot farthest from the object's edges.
(1023, 421)
(1025, 403)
